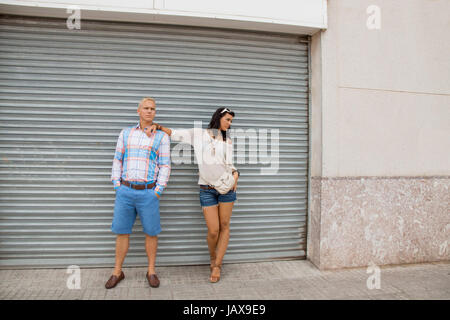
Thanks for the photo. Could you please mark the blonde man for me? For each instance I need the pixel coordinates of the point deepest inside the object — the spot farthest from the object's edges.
(141, 170)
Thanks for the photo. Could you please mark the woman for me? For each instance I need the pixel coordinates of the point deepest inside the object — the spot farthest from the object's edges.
(214, 152)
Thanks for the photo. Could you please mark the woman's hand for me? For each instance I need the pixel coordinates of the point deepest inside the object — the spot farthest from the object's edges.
(236, 178)
(150, 130)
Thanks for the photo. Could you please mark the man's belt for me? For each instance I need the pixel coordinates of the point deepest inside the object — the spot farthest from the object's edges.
(138, 186)
(205, 187)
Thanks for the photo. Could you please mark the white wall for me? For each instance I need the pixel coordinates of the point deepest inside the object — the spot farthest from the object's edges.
(293, 16)
(385, 94)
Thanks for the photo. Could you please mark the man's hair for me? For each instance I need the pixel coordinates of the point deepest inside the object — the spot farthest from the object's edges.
(146, 99)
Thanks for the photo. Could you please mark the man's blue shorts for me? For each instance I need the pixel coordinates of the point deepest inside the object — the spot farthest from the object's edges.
(212, 197)
(130, 202)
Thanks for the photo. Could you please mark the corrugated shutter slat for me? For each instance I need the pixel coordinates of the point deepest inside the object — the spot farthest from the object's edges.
(66, 94)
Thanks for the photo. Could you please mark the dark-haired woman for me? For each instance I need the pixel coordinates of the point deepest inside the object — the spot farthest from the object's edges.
(214, 152)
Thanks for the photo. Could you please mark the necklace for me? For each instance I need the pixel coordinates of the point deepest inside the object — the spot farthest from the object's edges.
(213, 144)
(215, 141)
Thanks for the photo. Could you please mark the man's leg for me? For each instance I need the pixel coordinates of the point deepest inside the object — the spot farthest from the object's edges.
(148, 211)
(122, 224)
(122, 244)
(151, 246)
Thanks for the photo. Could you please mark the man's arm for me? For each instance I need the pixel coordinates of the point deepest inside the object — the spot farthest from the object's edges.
(118, 162)
(163, 162)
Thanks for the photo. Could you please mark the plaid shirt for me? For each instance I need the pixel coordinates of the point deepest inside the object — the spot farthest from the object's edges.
(142, 159)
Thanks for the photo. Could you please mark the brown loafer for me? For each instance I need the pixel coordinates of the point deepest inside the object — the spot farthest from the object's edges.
(114, 280)
(153, 280)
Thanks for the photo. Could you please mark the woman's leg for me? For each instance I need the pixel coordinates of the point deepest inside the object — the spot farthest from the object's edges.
(211, 215)
(225, 210)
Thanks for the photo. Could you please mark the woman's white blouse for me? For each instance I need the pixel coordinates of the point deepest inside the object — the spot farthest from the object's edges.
(214, 156)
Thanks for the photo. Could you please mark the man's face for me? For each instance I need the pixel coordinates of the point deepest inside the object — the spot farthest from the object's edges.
(147, 111)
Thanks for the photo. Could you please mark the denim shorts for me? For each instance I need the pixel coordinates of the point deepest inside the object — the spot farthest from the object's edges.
(212, 197)
(131, 202)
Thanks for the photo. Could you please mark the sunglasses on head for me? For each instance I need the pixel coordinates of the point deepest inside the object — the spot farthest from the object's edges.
(225, 110)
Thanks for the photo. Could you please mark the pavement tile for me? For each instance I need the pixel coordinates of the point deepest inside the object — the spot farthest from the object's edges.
(428, 295)
(274, 280)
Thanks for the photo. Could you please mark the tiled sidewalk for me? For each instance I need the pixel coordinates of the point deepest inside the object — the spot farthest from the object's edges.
(297, 279)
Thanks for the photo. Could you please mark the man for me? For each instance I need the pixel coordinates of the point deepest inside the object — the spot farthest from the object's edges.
(141, 169)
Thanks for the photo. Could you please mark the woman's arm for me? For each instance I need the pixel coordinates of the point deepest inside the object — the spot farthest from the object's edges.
(155, 127)
(180, 135)
(236, 178)
(229, 161)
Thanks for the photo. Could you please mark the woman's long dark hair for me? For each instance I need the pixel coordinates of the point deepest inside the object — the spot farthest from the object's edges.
(215, 120)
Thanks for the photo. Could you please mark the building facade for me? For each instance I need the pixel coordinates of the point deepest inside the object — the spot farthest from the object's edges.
(362, 171)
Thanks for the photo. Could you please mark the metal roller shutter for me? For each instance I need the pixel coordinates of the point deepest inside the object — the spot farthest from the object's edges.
(66, 94)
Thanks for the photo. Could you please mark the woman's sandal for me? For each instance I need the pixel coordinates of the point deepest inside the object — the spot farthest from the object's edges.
(212, 278)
